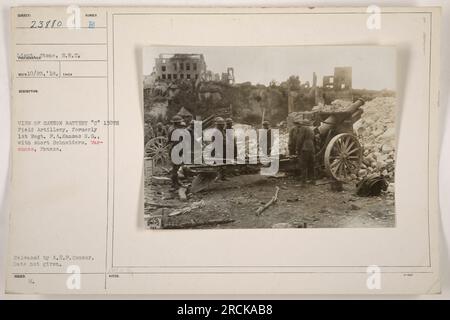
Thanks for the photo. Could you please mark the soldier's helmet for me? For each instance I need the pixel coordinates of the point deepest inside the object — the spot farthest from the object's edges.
(229, 120)
(266, 123)
(219, 120)
(176, 119)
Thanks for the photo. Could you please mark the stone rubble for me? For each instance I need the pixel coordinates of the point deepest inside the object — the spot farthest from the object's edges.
(376, 132)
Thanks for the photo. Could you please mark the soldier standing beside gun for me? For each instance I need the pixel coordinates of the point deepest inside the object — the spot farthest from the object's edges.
(305, 151)
(292, 144)
(266, 126)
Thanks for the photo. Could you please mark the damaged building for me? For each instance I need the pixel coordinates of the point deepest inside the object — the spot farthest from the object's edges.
(341, 80)
(340, 83)
(188, 66)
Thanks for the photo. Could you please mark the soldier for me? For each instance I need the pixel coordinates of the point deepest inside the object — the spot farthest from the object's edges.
(176, 124)
(219, 124)
(161, 130)
(228, 123)
(305, 150)
(195, 140)
(229, 126)
(292, 142)
(266, 126)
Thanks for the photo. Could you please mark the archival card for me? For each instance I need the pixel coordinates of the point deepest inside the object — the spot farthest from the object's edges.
(224, 150)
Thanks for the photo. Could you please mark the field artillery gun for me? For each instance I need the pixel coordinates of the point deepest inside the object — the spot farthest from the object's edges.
(338, 151)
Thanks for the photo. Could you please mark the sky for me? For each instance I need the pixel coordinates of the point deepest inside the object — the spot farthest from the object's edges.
(374, 67)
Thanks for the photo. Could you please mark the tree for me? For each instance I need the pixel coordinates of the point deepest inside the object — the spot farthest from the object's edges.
(292, 83)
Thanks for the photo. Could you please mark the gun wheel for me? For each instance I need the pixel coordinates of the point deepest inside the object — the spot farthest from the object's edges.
(158, 150)
(343, 157)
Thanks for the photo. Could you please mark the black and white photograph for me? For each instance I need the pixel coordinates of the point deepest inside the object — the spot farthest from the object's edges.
(269, 137)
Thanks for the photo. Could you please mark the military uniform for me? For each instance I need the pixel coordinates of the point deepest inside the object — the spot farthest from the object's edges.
(161, 130)
(195, 144)
(305, 150)
(292, 142)
(220, 126)
(176, 124)
(266, 125)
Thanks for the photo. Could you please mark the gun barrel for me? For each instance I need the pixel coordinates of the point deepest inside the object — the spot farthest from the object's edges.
(334, 119)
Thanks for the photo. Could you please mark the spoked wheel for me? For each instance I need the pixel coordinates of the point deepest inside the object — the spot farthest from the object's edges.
(158, 150)
(343, 157)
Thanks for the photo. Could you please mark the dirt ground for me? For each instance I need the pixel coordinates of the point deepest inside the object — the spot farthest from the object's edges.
(237, 199)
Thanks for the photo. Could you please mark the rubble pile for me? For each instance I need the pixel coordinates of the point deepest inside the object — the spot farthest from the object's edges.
(335, 106)
(376, 132)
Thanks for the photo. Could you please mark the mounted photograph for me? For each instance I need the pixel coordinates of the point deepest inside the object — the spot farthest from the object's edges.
(269, 137)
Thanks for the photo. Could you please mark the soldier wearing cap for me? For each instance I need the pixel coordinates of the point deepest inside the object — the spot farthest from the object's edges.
(228, 123)
(219, 123)
(176, 124)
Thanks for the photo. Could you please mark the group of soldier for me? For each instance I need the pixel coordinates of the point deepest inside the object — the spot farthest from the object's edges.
(225, 126)
(301, 144)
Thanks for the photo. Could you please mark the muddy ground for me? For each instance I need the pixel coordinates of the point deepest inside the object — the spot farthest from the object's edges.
(236, 200)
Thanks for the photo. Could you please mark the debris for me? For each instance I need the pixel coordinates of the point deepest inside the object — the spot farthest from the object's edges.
(391, 188)
(161, 180)
(355, 207)
(268, 204)
(202, 181)
(182, 193)
(160, 205)
(371, 186)
(336, 186)
(282, 225)
(198, 224)
(164, 218)
(287, 225)
(376, 129)
(193, 206)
